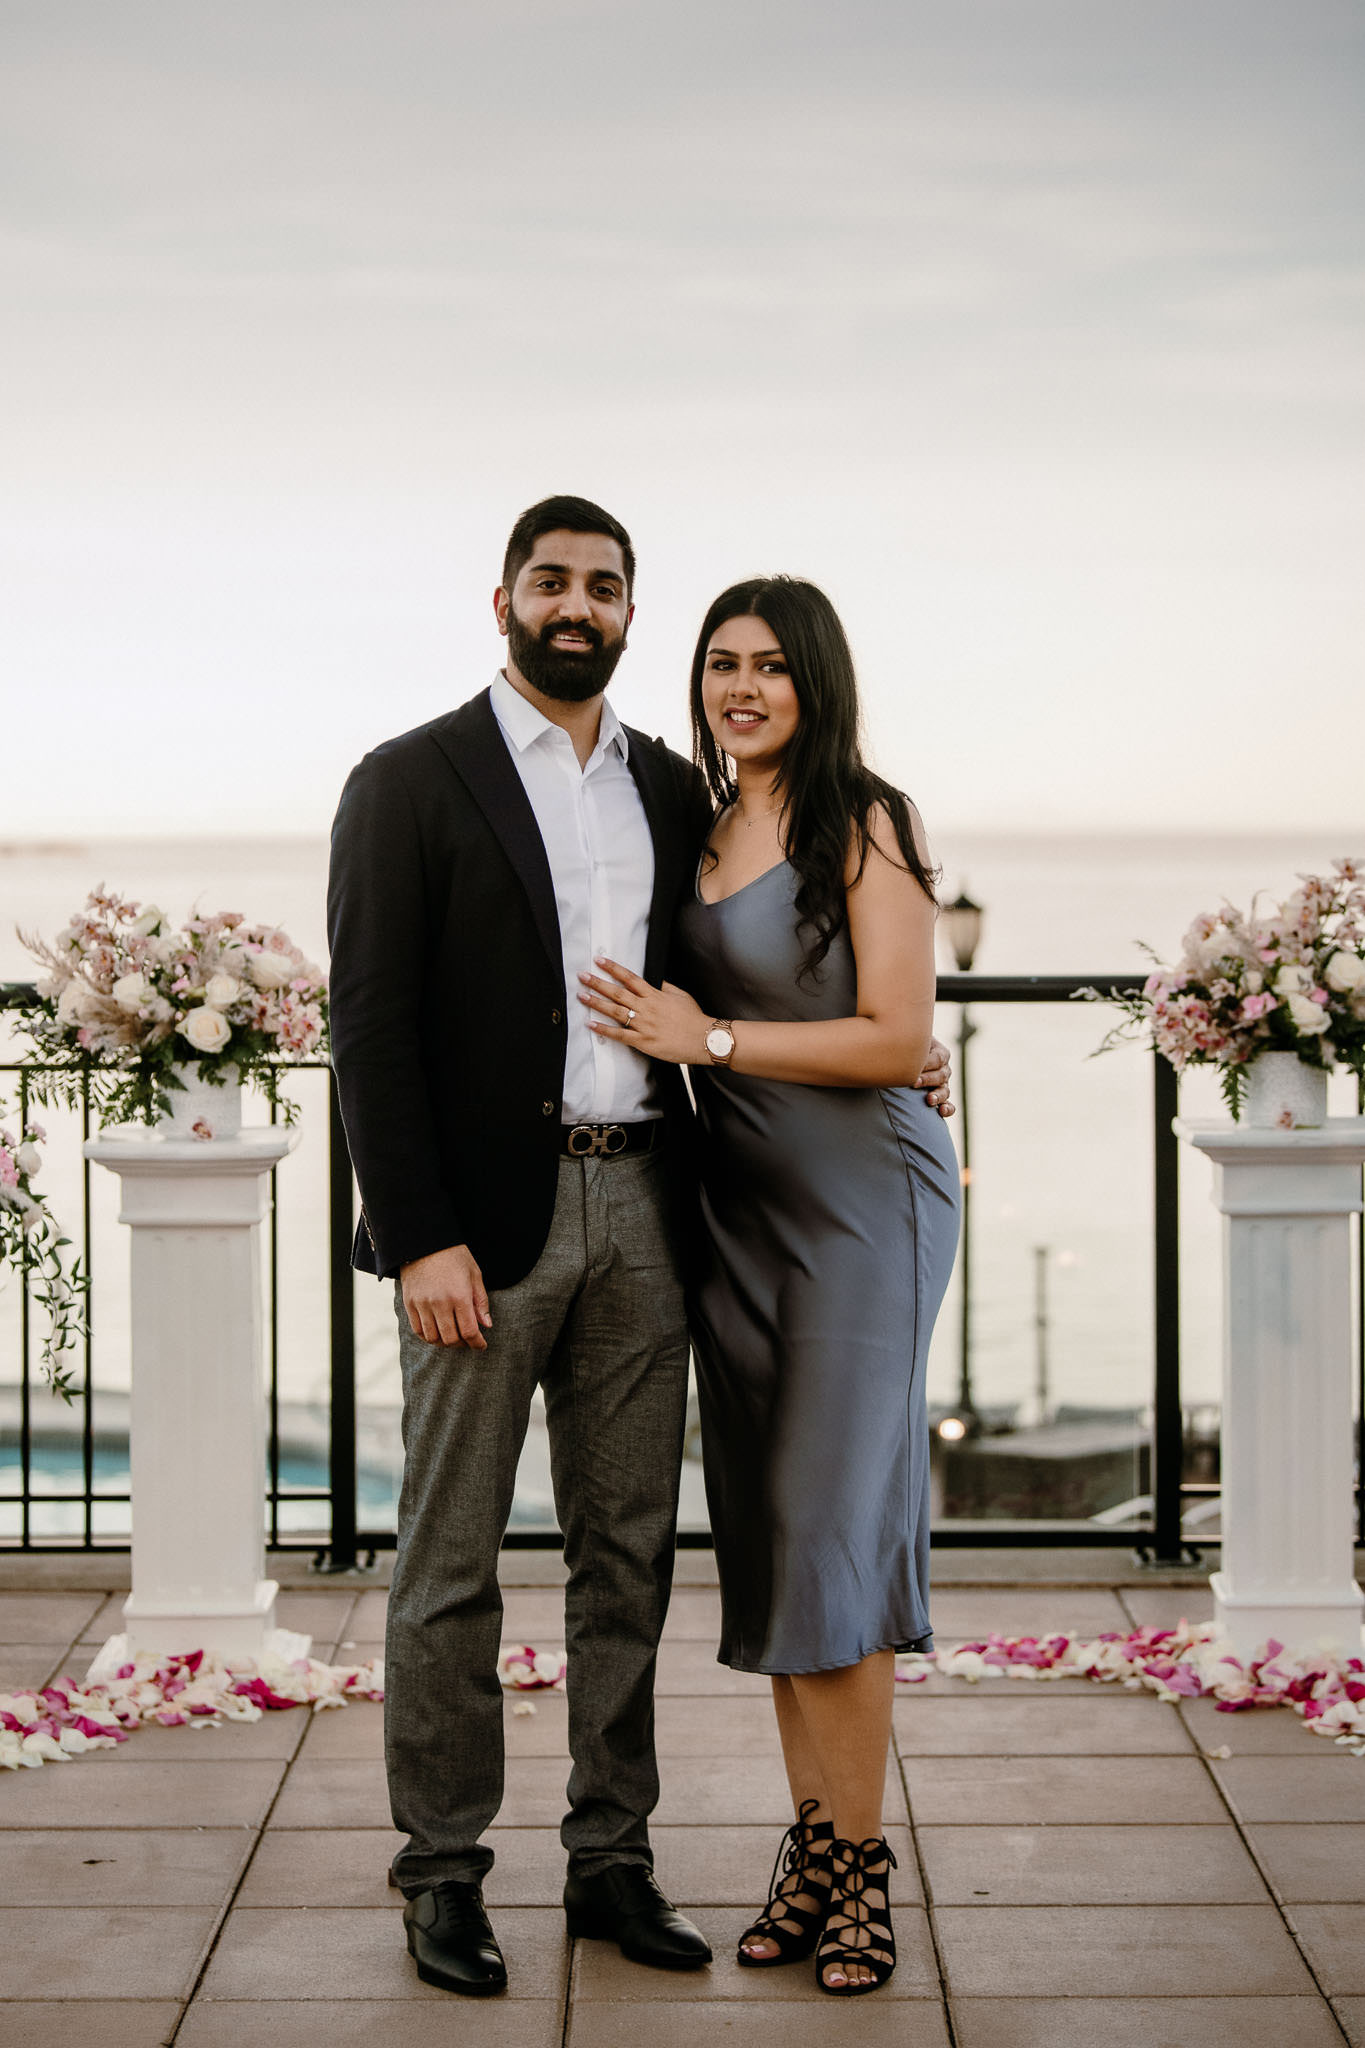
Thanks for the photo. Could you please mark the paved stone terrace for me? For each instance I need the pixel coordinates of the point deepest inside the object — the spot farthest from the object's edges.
(1075, 1869)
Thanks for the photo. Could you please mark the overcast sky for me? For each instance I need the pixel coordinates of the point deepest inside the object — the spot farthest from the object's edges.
(1032, 330)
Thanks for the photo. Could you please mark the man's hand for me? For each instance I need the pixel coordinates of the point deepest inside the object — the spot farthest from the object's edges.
(446, 1300)
(936, 1078)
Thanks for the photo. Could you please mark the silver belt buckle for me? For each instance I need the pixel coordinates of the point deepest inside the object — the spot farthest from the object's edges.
(602, 1140)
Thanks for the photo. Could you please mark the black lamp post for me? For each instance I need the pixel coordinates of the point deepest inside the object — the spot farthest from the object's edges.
(962, 924)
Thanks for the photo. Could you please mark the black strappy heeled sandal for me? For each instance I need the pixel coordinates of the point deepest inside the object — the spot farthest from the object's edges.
(801, 1869)
(858, 1929)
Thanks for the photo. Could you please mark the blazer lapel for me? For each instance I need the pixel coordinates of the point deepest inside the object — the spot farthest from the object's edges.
(656, 784)
(472, 742)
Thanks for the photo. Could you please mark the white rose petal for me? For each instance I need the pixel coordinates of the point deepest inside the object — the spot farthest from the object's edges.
(28, 1159)
(1345, 973)
(222, 990)
(271, 970)
(207, 1029)
(1291, 979)
(130, 991)
(1307, 1017)
(145, 925)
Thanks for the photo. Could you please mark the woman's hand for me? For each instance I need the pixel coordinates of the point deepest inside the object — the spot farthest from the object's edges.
(663, 1022)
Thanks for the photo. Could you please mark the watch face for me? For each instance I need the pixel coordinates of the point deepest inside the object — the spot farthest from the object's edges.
(720, 1043)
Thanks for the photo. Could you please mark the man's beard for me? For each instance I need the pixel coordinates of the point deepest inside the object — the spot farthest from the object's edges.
(568, 678)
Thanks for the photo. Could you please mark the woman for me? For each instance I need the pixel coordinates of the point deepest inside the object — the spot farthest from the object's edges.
(829, 1196)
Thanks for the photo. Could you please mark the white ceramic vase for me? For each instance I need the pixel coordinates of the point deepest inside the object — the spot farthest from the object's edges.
(1284, 1093)
(202, 1108)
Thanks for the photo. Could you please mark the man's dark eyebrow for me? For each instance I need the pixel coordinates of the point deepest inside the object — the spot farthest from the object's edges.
(561, 569)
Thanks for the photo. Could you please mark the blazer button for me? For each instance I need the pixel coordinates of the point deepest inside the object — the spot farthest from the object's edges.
(547, 1109)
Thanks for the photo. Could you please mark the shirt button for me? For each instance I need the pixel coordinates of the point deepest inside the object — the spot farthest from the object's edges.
(547, 1109)
(554, 1016)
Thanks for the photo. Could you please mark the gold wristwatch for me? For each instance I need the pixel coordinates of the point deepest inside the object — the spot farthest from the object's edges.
(720, 1042)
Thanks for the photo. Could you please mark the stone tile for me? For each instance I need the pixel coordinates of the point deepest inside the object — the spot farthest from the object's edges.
(974, 1611)
(736, 1792)
(114, 2023)
(46, 1617)
(367, 1618)
(1089, 1866)
(147, 1952)
(1168, 1606)
(1316, 1861)
(323, 1867)
(533, 1614)
(317, 1612)
(1006, 1791)
(1295, 1788)
(731, 1866)
(876, 2022)
(987, 1725)
(102, 1790)
(354, 1733)
(334, 1792)
(694, 1615)
(543, 1733)
(692, 1668)
(1334, 1938)
(601, 1972)
(121, 1866)
(1351, 2013)
(272, 1739)
(359, 2023)
(1259, 1731)
(715, 1725)
(1107, 1952)
(339, 1953)
(26, 1666)
(1144, 2023)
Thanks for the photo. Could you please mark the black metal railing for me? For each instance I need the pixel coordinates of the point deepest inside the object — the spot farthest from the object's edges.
(1161, 1538)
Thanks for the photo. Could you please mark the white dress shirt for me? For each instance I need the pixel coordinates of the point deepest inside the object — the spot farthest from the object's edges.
(601, 859)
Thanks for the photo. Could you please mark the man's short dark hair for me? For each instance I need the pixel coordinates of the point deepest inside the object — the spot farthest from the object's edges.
(563, 515)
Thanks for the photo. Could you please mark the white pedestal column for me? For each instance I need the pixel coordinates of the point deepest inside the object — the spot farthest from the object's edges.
(198, 1429)
(1287, 1438)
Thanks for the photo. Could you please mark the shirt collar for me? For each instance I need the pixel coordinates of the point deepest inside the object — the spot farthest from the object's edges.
(522, 725)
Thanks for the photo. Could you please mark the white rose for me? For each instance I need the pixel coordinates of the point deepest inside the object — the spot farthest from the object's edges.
(75, 1003)
(28, 1159)
(207, 1029)
(130, 991)
(1345, 973)
(1291, 979)
(271, 970)
(1307, 1017)
(222, 990)
(145, 925)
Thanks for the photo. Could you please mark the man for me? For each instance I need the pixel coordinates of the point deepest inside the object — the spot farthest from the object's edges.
(526, 1183)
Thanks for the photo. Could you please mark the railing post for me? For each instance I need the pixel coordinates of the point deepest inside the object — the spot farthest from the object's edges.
(340, 1555)
(1168, 1448)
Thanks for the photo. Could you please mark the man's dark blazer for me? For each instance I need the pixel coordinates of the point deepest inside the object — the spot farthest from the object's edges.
(448, 1005)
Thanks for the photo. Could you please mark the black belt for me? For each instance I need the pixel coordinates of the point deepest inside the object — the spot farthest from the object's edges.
(609, 1141)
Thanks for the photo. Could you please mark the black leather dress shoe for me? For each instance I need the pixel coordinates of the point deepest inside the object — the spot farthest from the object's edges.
(451, 1942)
(623, 1904)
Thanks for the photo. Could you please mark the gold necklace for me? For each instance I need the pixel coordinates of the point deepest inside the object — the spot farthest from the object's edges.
(771, 812)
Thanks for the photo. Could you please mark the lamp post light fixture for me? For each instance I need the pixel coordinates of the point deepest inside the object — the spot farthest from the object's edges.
(962, 923)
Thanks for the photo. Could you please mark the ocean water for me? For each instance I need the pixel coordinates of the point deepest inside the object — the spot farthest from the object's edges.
(1061, 1141)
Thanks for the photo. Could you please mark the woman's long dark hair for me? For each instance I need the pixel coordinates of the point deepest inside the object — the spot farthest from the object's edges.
(825, 785)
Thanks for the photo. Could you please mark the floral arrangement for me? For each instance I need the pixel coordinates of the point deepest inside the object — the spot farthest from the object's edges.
(1288, 980)
(129, 998)
(31, 1243)
(1190, 1661)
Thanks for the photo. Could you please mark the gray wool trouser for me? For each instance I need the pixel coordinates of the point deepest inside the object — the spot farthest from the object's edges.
(599, 1324)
